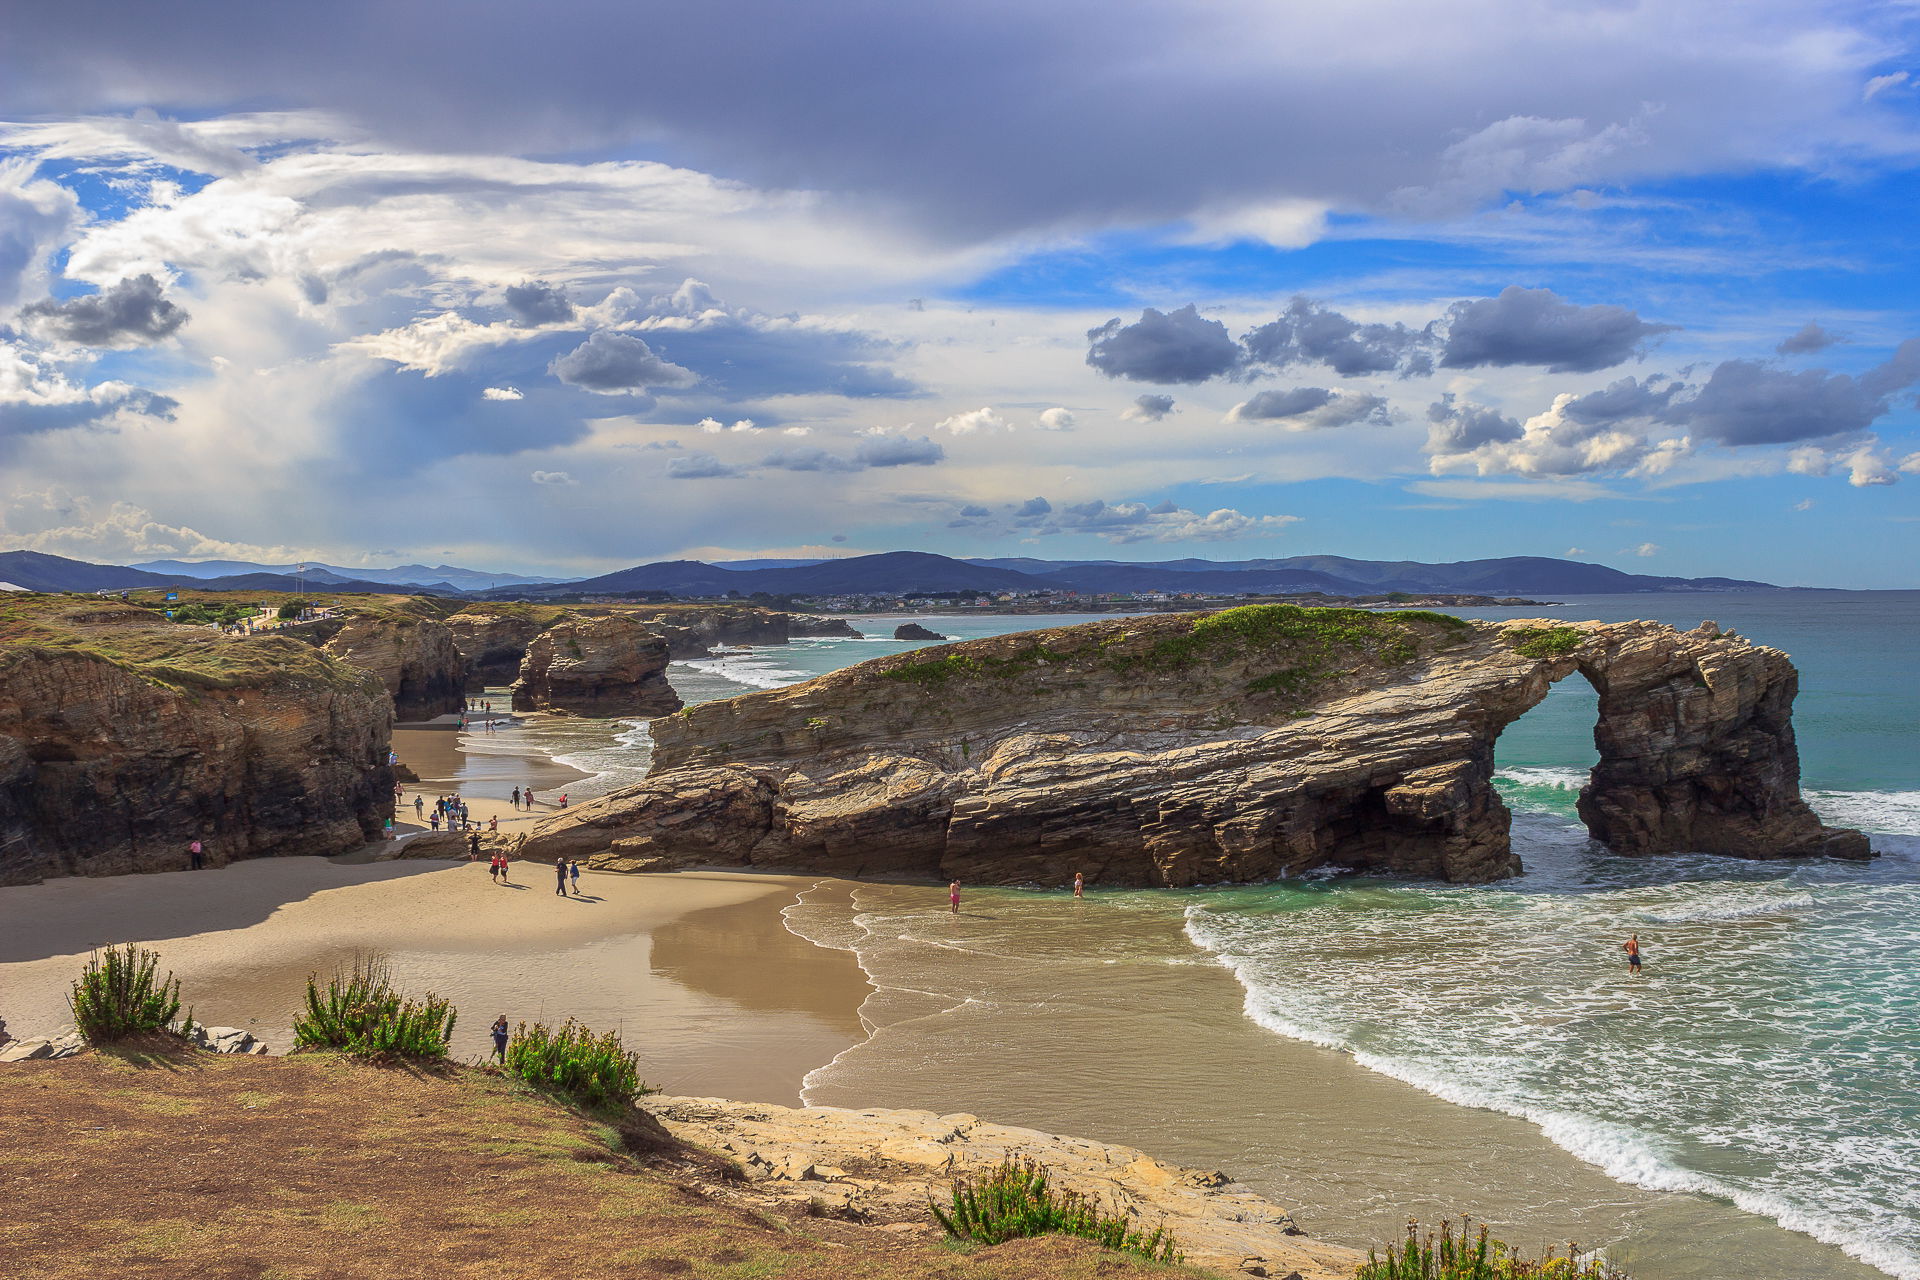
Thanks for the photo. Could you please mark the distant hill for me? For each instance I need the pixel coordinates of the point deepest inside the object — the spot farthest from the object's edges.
(36, 571)
(445, 577)
(888, 572)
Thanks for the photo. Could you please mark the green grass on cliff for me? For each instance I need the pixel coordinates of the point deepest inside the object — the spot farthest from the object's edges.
(1305, 646)
(1544, 642)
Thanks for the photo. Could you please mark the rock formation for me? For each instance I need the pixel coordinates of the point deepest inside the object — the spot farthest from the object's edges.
(691, 631)
(124, 738)
(415, 658)
(607, 666)
(914, 631)
(493, 640)
(812, 624)
(1197, 748)
(884, 1165)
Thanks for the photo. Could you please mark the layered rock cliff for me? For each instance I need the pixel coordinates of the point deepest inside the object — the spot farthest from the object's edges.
(493, 640)
(1194, 748)
(123, 738)
(607, 666)
(416, 659)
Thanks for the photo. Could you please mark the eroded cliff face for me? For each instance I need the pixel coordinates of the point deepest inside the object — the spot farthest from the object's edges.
(1188, 749)
(415, 658)
(494, 644)
(127, 740)
(606, 666)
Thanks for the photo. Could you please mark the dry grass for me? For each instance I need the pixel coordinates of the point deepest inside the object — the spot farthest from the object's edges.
(314, 1167)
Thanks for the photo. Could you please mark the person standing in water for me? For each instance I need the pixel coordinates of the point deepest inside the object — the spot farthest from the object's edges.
(1632, 947)
(500, 1038)
(1079, 885)
(953, 897)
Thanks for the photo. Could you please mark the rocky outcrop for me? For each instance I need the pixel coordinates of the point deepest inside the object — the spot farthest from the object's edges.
(1189, 749)
(692, 631)
(415, 658)
(812, 624)
(882, 1166)
(493, 643)
(605, 666)
(914, 631)
(72, 1044)
(123, 739)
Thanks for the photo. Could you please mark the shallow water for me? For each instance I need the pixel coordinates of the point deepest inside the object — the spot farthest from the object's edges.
(1767, 1059)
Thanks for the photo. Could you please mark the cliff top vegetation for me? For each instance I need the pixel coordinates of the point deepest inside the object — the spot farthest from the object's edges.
(316, 1165)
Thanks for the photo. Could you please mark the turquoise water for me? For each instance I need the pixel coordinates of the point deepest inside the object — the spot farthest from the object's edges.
(1770, 1057)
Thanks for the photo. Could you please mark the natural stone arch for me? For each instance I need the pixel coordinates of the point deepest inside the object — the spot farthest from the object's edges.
(1241, 746)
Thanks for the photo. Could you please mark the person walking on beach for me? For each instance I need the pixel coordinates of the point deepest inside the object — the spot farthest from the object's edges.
(500, 1038)
(473, 847)
(516, 797)
(419, 808)
(560, 877)
(433, 819)
(528, 792)
(196, 856)
(573, 874)
(953, 897)
(563, 800)
(1079, 885)
(1632, 947)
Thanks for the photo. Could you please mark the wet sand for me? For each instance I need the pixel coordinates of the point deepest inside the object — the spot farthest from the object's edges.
(433, 750)
(695, 970)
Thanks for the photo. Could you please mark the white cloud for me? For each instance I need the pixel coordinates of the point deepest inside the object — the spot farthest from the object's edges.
(1878, 85)
(982, 419)
(553, 478)
(1575, 551)
(503, 393)
(1805, 504)
(1056, 419)
(1647, 549)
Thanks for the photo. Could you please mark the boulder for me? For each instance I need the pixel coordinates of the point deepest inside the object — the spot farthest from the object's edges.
(226, 1040)
(43, 1048)
(914, 631)
(605, 666)
(1243, 745)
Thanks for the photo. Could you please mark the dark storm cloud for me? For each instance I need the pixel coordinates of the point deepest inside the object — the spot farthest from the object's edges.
(1165, 347)
(1309, 333)
(129, 314)
(611, 363)
(1148, 408)
(1628, 399)
(1538, 327)
(898, 451)
(534, 303)
(884, 101)
(1458, 427)
(1745, 402)
(1312, 408)
(1808, 339)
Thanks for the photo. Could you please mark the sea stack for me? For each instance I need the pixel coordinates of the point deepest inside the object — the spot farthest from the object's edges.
(608, 666)
(914, 631)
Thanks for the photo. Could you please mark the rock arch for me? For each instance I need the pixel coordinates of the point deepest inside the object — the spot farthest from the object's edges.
(1188, 749)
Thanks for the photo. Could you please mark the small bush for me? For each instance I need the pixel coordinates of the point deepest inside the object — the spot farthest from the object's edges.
(595, 1072)
(1545, 642)
(1013, 1200)
(1474, 1255)
(119, 997)
(291, 609)
(363, 1015)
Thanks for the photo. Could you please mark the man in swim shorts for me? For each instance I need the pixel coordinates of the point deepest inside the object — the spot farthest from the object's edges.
(1632, 947)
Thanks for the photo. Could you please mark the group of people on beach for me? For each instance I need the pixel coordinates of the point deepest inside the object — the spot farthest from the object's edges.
(526, 794)
(448, 809)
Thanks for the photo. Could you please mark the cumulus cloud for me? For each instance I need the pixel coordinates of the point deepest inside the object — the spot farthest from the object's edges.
(36, 395)
(1311, 409)
(1462, 427)
(713, 426)
(1148, 408)
(1466, 437)
(559, 478)
(701, 466)
(1310, 333)
(535, 303)
(1133, 522)
(609, 363)
(897, 451)
(125, 531)
(1647, 549)
(1745, 402)
(502, 393)
(132, 313)
(982, 419)
(1538, 327)
(1056, 419)
(36, 217)
(1810, 337)
(1165, 347)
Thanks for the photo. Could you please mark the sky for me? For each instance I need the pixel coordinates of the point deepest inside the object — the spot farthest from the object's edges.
(569, 287)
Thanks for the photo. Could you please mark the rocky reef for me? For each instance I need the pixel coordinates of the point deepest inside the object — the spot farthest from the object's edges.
(1196, 748)
(813, 624)
(914, 631)
(124, 737)
(605, 666)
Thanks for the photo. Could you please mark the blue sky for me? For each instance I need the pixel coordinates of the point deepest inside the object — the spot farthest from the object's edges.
(1602, 279)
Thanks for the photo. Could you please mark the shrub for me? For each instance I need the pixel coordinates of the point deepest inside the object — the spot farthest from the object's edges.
(1013, 1200)
(119, 997)
(291, 609)
(595, 1072)
(363, 1015)
(1476, 1256)
(1544, 642)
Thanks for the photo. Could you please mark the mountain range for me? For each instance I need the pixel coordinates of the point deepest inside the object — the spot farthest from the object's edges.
(888, 573)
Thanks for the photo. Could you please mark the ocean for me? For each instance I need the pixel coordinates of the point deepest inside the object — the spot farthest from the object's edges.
(1766, 1067)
